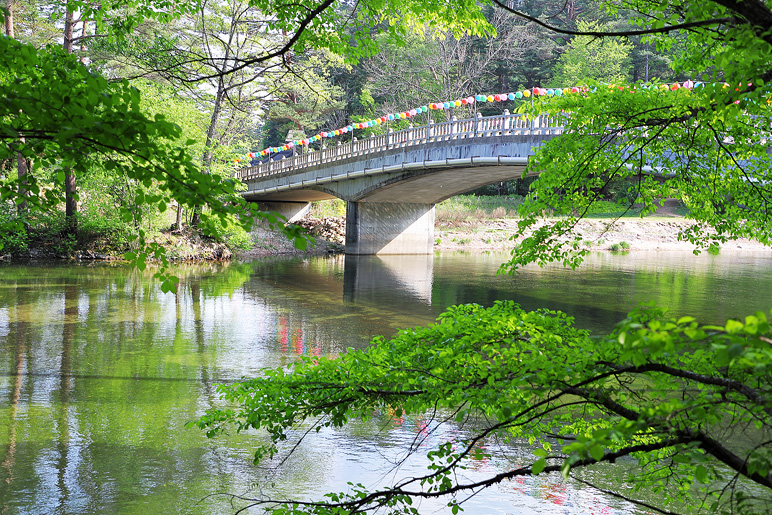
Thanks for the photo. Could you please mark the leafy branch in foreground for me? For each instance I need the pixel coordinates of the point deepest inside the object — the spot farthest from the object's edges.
(689, 405)
(57, 112)
(706, 147)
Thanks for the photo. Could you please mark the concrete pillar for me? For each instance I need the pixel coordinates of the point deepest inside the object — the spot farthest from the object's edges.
(387, 228)
(294, 211)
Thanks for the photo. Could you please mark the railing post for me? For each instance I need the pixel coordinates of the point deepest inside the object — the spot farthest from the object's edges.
(453, 128)
(371, 142)
(477, 123)
(507, 123)
(429, 131)
(410, 135)
(388, 138)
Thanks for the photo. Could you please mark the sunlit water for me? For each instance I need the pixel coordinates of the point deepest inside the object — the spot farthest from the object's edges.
(100, 371)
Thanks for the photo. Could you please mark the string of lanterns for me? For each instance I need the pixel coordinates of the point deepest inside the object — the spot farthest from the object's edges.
(439, 106)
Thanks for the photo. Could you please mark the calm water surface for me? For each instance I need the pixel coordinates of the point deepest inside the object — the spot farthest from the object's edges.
(100, 371)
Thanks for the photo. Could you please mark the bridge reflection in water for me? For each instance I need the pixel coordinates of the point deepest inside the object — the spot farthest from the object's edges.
(391, 182)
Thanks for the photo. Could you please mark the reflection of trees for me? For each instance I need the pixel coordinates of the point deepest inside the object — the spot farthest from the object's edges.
(18, 335)
(69, 322)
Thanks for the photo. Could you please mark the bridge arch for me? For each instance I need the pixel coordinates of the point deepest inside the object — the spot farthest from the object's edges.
(391, 182)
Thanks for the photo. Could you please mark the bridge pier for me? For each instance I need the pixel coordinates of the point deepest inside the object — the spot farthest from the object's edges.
(389, 228)
(294, 211)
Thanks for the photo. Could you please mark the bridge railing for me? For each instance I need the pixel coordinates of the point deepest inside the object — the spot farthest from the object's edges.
(479, 127)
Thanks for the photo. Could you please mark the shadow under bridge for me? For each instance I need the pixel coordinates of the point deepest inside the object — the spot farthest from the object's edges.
(391, 182)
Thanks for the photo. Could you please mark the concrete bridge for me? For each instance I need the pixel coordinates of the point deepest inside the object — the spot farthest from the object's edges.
(391, 182)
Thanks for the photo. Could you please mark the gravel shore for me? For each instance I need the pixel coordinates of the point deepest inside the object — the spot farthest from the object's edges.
(640, 234)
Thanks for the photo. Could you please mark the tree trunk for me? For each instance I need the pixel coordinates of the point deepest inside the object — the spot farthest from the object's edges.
(9, 19)
(70, 187)
(22, 170)
(216, 110)
(178, 222)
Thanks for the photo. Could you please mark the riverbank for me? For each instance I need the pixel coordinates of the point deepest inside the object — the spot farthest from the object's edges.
(634, 234)
(654, 233)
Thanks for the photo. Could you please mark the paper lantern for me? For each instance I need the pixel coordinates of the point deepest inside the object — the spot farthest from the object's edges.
(413, 112)
(489, 98)
(424, 109)
(526, 93)
(550, 92)
(674, 86)
(510, 96)
(470, 100)
(518, 94)
(464, 102)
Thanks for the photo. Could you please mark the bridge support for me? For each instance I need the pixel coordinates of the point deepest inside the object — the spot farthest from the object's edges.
(294, 211)
(389, 228)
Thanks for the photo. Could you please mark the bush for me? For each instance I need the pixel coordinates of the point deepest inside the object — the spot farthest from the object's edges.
(471, 207)
(328, 208)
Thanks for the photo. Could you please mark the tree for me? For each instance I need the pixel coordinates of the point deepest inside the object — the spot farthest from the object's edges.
(657, 392)
(705, 143)
(441, 66)
(588, 58)
(57, 111)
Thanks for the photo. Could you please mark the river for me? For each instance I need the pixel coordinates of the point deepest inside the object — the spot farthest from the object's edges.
(100, 370)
